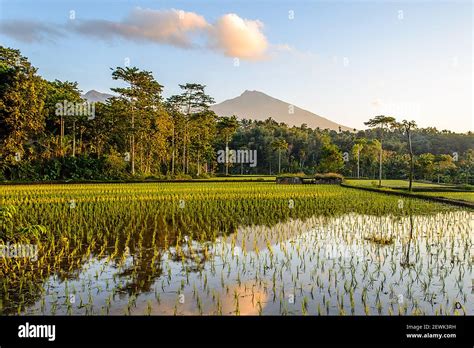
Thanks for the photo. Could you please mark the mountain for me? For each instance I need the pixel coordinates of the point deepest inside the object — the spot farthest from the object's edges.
(95, 96)
(256, 105)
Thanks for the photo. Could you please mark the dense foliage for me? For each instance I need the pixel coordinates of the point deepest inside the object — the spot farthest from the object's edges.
(138, 133)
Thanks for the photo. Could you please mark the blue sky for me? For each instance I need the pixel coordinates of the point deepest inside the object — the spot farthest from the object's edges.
(344, 60)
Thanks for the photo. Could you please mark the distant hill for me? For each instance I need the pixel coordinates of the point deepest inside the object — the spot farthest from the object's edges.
(256, 105)
(95, 96)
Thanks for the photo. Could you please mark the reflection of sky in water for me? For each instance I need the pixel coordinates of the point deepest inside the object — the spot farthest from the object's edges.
(326, 265)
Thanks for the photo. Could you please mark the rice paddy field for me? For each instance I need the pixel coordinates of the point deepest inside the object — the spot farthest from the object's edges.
(230, 248)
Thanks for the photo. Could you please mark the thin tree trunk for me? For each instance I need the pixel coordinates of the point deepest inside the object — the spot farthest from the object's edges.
(226, 156)
(140, 152)
(406, 262)
(132, 139)
(380, 162)
(184, 148)
(411, 161)
(81, 144)
(133, 143)
(198, 164)
(279, 161)
(358, 163)
(173, 152)
(61, 125)
(74, 138)
(187, 161)
(439, 169)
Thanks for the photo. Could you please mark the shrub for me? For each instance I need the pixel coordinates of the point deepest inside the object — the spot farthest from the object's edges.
(181, 176)
(292, 175)
(115, 166)
(67, 168)
(203, 176)
(328, 176)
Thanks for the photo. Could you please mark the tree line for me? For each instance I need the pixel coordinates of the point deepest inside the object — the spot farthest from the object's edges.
(48, 132)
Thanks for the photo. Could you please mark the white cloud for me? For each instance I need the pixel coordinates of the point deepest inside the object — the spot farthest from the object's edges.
(230, 35)
(238, 37)
(172, 27)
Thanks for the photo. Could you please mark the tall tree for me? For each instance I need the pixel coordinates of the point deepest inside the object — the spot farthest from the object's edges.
(279, 145)
(192, 100)
(177, 126)
(368, 158)
(406, 127)
(202, 129)
(226, 127)
(62, 93)
(142, 96)
(22, 113)
(359, 144)
(331, 159)
(381, 122)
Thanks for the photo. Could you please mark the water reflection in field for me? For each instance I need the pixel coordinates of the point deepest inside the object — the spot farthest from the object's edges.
(350, 264)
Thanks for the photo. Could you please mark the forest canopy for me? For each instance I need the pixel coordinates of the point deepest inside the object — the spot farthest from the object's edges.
(139, 134)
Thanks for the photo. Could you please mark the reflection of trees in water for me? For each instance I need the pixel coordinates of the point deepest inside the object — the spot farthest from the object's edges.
(24, 285)
(142, 273)
(115, 232)
(142, 248)
(406, 253)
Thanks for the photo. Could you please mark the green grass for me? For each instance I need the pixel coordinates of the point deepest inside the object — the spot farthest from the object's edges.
(243, 178)
(390, 183)
(463, 196)
(420, 188)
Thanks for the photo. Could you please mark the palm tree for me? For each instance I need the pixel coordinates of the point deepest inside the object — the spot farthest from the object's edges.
(380, 122)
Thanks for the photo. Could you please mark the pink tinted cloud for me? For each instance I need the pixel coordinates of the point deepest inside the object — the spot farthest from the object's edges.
(230, 35)
(238, 37)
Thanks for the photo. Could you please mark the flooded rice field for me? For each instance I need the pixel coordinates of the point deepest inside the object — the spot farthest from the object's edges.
(232, 249)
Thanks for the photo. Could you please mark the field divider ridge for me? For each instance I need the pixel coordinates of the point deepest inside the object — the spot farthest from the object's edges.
(413, 195)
